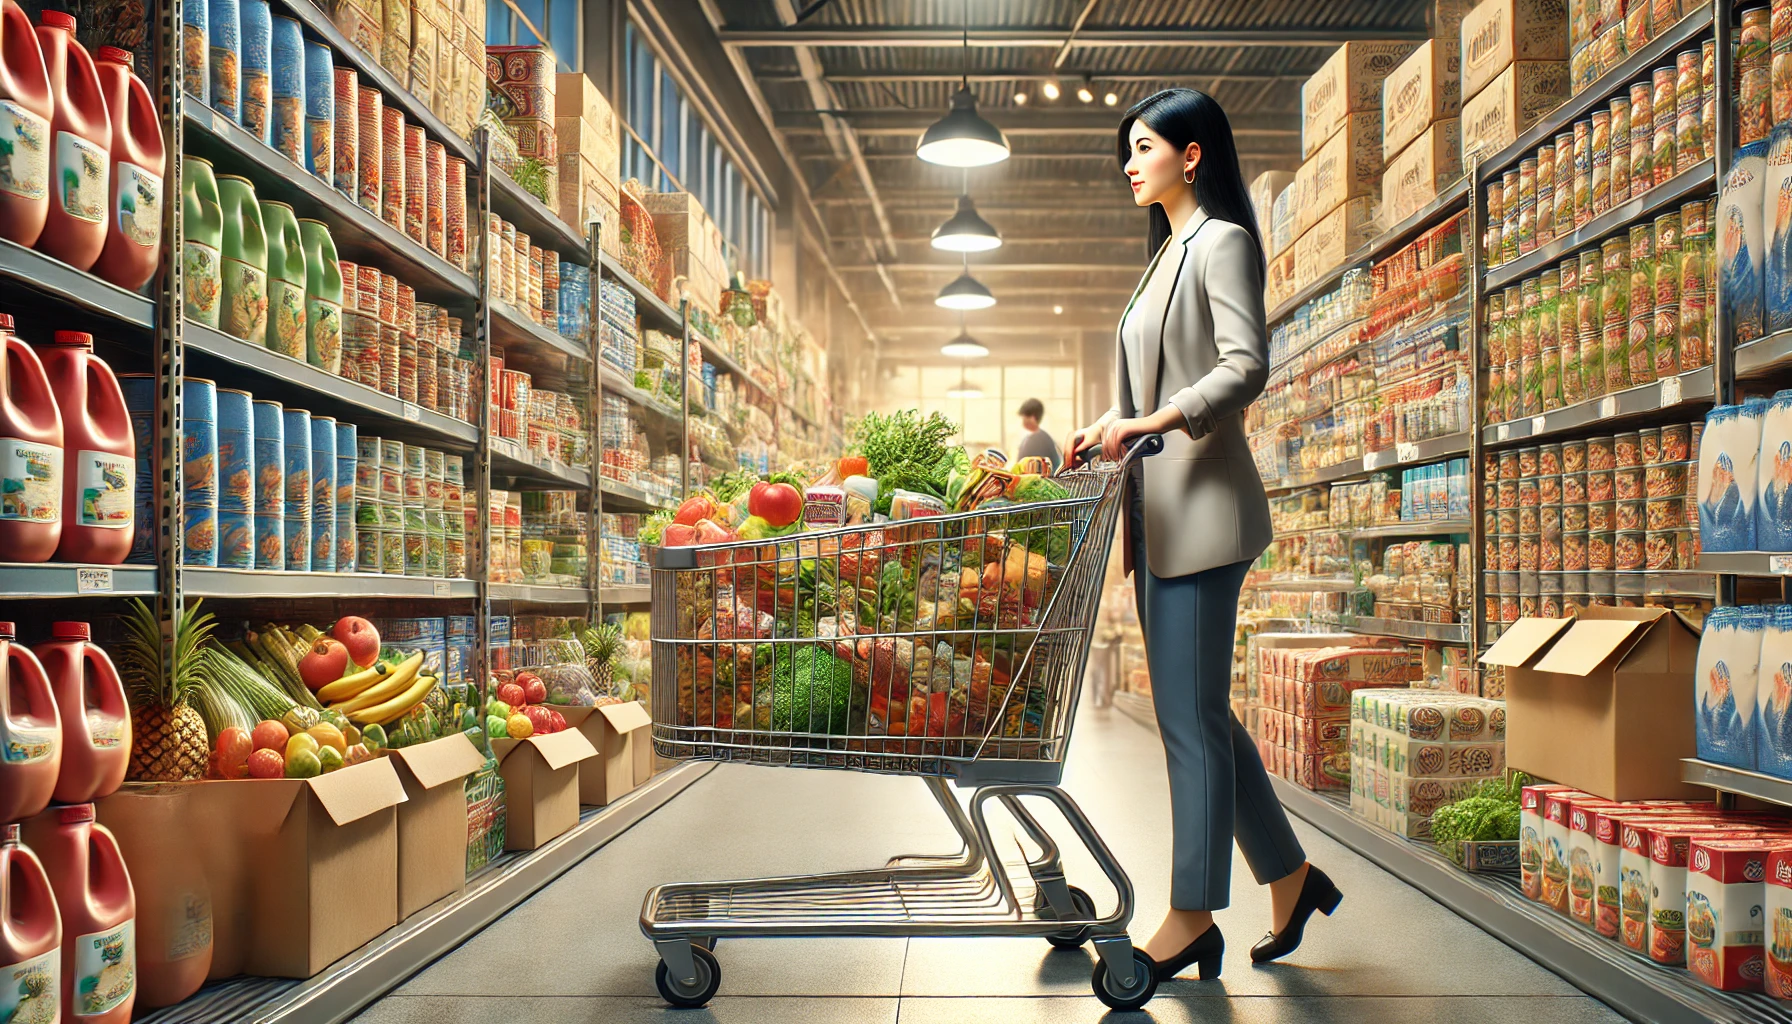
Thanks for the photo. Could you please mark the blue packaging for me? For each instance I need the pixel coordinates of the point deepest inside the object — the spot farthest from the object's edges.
(140, 399)
(270, 540)
(286, 132)
(428, 635)
(1725, 684)
(269, 493)
(574, 302)
(225, 34)
(199, 535)
(236, 540)
(463, 630)
(297, 459)
(346, 460)
(236, 451)
(1776, 229)
(195, 38)
(320, 111)
(257, 26)
(297, 535)
(323, 494)
(199, 437)
(1773, 476)
(1773, 695)
(1740, 244)
(1729, 452)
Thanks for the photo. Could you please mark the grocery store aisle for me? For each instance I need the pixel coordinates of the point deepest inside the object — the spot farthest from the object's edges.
(574, 953)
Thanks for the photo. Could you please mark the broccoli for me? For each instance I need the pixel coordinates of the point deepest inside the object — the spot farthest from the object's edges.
(811, 690)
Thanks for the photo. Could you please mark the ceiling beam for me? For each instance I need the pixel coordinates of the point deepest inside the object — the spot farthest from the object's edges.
(987, 36)
(1068, 121)
(1075, 27)
(995, 77)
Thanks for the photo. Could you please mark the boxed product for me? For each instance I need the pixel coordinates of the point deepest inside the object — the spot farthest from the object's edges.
(1336, 235)
(1346, 166)
(1264, 190)
(1415, 176)
(1281, 217)
(1493, 118)
(1348, 82)
(541, 785)
(623, 738)
(1584, 699)
(1425, 88)
(1499, 32)
(597, 138)
(1279, 282)
(1777, 928)
(1726, 899)
(432, 821)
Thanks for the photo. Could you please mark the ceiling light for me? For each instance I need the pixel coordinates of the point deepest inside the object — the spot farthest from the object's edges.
(965, 292)
(1020, 99)
(962, 138)
(965, 231)
(1050, 89)
(964, 347)
(1084, 93)
(1057, 310)
(1110, 99)
(964, 391)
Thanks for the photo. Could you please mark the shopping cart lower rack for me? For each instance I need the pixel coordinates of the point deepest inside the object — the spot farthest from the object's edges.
(948, 647)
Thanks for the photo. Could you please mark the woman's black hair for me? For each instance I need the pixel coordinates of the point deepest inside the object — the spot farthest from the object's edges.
(1183, 116)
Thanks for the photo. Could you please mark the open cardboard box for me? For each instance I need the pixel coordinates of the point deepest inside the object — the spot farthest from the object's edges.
(432, 822)
(1600, 702)
(541, 785)
(623, 736)
(171, 882)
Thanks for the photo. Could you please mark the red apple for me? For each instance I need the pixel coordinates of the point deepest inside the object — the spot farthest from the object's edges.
(359, 636)
(535, 690)
(559, 719)
(701, 506)
(512, 694)
(326, 662)
(269, 735)
(539, 718)
(777, 504)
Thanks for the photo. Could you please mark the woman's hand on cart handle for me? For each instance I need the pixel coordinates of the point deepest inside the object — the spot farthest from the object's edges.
(1114, 439)
(1085, 439)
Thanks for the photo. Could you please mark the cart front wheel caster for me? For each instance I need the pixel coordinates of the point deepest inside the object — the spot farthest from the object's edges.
(709, 977)
(1114, 995)
(1074, 938)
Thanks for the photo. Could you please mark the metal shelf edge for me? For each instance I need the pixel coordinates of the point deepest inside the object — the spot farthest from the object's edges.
(1696, 387)
(1387, 458)
(668, 315)
(34, 270)
(210, 581)
(1437, 632)
(539, 593)
(76, 579)
(1419, 220)
(1317, 287)
(518, 324)
(1736, 780)
(558, 235)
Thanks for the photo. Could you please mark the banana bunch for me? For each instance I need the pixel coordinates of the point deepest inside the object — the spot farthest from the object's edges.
(380, 693)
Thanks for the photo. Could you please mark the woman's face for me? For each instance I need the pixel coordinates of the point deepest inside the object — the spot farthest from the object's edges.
(1155, 167)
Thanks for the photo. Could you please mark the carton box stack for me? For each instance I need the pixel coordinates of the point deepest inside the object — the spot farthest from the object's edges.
(1305, 709)
(692, 244)
(1514, 70)
(1412, 751)
(1264, 190)
(1420, 129)
(590, 147)
(525, 75)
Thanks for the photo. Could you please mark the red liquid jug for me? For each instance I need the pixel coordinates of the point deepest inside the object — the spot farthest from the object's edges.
(30, 736)
(80, 167)
(134, 214)
(99, 452)
(30, 455)
(30, 935)
(26, 107)
(98, 909)
(96, 719)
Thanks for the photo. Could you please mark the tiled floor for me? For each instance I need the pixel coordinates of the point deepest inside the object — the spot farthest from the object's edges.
(575, 953)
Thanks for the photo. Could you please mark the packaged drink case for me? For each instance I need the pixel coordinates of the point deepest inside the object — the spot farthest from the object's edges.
(30, 935)
(31, 459)
(99, 452)
(96, 721)
(134, 209)
(30, 732)
(25, 110)
(98, 908)
(80, 166)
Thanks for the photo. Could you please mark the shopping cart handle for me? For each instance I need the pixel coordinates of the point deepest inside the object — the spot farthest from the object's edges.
(1144, 445)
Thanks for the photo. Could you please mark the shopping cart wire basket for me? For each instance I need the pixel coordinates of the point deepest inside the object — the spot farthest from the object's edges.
(950, 648)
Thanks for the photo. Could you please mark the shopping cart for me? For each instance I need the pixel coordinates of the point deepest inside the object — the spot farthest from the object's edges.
(945, 647)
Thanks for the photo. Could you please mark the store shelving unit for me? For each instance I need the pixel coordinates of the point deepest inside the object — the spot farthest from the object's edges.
(208, 581)
(1433, 632)
(1406, 453)
(1415, 528)
(1736, 781)
(60, 283)
(1686, 393)
(30, 580)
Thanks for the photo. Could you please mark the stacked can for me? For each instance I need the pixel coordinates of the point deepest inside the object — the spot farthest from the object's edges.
(348, 450)
(296, 525)
(454, 231)
(390, 343)
(435, 521)
(268, 493)
(454, 523)
(320, 112)
(140, 400)
(236, 479)
(199, 470)
(257, 35)
(537, 281)
(392, 167)
(415, 527)
(370, 525)
(1754, 64)
(1664, 334)
(369, 161)
(392, 507)
(550, 288)
(416, 183)
(224, 32)
(404, 320)
(1641, 148)
(435, 170)
(286, 119)
(323, 494)
(1545, 179)
(1640, 280)
(195, 40)
(346, 141)
(1696, 327)
(428, 327)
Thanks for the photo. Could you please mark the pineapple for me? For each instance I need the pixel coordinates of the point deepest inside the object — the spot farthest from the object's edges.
(603, 646)
(168, 739)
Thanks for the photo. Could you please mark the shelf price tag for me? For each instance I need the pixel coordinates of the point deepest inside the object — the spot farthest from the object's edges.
(1539, 424)
(93, 580)
(439, 587)
(1779, 565)
(1670, 391)
(412, 412)
(1608, 407)
(1503, 432)
(1406, 451)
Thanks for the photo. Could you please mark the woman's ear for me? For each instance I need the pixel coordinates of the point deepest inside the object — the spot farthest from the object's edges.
(1191, 158)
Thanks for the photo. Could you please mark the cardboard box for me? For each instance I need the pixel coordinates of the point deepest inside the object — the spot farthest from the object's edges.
(1347, 166)
(541, 786)
(1280, 280)
(1499, 32)
(1426, 87)
(576, 95)
(432, 822)
(1415, 176)
(1348, 82)
(171, 877)
(1329, 242)
(1264, 189)
(1524, 92)
(623, 738)
(1587, 700)
(1281, 219)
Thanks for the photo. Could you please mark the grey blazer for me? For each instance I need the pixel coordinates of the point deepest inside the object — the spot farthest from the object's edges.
(1206, 351)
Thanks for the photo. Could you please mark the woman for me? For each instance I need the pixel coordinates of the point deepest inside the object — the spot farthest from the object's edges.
(1193, 353)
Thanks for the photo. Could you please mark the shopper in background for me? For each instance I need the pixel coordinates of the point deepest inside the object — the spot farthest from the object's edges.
(1036, 441)
(1192, 354)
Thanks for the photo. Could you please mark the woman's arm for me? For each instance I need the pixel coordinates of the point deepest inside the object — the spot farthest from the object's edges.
(1234, 286)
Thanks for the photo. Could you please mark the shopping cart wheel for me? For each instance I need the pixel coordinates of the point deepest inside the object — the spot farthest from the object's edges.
(1075, 937)
(1114, 995)
(707, 942)
(709, 977)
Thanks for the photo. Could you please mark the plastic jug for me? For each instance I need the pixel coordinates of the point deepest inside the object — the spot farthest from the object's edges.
(98, 909)
(96, 720)
(25, 109)
(80, 167)
(139, 160)
(286, 280)
(30, 735)
(323, 297)
(30, 456)
(30, 935)
(245, 262)
(99, 447)
(203, 218)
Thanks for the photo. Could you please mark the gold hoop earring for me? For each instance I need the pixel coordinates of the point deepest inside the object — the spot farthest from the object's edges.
(1188, 177)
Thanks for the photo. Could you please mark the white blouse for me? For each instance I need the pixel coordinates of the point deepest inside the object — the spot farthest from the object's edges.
(1132, 337)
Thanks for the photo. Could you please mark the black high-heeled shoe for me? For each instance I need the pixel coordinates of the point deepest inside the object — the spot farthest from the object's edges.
(1316, 893)
(1206, 951)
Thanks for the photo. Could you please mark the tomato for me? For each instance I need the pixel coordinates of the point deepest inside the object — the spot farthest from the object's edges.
(678, 535)
(777, 504)
(852, 465)
(700, 507)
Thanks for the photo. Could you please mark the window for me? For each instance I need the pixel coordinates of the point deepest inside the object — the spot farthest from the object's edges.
(508, 23)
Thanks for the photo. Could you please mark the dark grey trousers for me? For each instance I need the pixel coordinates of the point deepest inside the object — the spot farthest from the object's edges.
(1218, 788)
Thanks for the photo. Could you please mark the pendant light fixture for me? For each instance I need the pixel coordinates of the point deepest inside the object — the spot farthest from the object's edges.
(964, 346)
(965, 292)
(963, 138)
(965, 231)
(964, 389)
